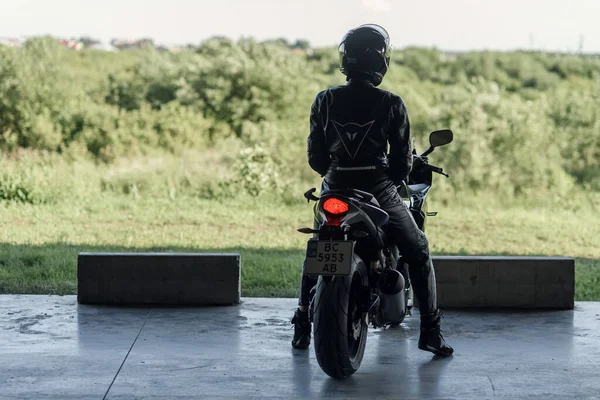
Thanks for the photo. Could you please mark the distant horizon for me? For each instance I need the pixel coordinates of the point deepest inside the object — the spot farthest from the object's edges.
(449, 25)
(292, 41)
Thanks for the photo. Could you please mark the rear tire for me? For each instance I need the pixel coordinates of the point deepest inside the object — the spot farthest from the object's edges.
(340, 331)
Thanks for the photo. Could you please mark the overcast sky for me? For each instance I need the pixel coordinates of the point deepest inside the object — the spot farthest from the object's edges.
(446, 24)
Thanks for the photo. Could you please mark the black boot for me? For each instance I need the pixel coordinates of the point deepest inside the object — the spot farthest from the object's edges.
(301, 330)
(431, 338)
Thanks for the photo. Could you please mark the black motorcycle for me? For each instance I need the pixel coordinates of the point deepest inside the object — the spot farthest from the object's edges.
(362, 279)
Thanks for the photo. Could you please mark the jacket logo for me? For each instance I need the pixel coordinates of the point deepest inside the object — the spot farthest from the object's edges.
(352, 135)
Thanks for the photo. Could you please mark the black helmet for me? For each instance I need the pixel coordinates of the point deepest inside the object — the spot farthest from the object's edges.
(365, 52)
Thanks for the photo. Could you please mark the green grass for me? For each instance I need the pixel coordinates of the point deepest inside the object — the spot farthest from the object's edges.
(39, 244)
(195, 135)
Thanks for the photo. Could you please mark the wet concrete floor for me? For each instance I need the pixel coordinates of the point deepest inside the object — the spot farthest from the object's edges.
(53, 348)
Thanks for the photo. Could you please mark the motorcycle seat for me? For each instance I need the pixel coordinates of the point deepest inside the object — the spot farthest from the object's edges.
(377, 215)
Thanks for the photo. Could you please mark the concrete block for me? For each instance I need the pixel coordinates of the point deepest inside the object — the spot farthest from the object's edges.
(158, 278)
(505, 282)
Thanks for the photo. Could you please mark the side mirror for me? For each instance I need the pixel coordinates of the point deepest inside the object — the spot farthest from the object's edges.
(440, 138)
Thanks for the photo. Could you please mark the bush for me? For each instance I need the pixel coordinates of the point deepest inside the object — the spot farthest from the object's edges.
(230, 84)
(35, 91)
(15, 188)
(256, 173)
(526, 124)
(29, 177)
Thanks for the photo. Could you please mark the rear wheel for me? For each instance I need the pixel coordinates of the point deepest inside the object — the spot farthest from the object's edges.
(340, 331)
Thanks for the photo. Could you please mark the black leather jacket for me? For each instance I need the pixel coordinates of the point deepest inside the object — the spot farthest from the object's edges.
(350, 128)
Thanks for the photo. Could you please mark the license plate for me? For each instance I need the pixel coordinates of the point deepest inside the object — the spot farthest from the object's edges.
(329, 258)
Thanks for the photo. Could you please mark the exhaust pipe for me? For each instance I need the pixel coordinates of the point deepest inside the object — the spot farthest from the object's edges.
(393, 301)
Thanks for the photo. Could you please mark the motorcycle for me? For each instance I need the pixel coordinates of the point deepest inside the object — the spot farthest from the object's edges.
(362, 279)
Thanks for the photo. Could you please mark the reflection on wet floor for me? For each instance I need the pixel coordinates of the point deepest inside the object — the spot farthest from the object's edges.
(53, 348)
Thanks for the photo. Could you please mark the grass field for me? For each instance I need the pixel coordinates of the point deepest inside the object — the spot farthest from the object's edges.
(40, 243)
(148, 150)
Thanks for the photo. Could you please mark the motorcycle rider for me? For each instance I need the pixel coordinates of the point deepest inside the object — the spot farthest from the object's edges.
(350, 128)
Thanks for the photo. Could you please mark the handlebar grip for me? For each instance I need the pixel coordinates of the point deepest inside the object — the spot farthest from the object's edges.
(433, 168)
(438, 170)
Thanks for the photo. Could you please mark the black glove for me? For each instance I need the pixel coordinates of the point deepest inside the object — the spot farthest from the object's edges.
(419, 161)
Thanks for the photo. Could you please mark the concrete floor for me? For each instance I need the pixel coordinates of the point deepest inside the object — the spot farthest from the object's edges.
(53, 348)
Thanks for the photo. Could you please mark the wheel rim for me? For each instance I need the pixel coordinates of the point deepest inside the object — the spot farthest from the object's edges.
(355, 318)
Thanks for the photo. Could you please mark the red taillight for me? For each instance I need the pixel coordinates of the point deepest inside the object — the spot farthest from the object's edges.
(335, 206)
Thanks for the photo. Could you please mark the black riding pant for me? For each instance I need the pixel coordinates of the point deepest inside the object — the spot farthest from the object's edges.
(403, 231)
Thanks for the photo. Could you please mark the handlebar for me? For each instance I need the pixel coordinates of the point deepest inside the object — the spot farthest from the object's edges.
(426, 166)
(438, 170)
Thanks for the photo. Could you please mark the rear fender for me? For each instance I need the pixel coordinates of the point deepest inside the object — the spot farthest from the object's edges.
(365, 277)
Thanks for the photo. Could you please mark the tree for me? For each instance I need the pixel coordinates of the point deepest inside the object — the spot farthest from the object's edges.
(279, 42)
(88, 41)
(301, 44)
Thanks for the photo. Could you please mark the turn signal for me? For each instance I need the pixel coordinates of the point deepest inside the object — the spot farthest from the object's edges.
(335, 206)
